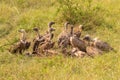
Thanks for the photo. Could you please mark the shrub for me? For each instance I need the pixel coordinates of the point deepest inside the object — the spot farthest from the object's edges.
(90, 13)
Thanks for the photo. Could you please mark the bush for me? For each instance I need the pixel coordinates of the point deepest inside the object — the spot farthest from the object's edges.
(90, 13)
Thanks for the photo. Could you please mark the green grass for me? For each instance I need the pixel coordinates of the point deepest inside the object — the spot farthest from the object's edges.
(17, 14)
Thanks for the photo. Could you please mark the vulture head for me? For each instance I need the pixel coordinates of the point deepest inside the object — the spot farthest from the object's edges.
(81, 27)
(21, 30)
(66, 25)
(50, 29)
(71, 32)
(87, 38)
(50, 24)
(95, 39)
(23, 35)
(36, 29)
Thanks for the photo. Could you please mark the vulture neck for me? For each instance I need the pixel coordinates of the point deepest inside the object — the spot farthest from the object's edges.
(23, 37)
(38, 34)
(49, 28)
(71, 32)
(51, 36)
(50, 25)
(66, 27)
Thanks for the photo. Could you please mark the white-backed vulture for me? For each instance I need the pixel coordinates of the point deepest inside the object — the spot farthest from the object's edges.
(48, 43)
(104, 46)
(37, 41)
(63, 38)
(87, 39)
(42, 40)
(92, 50)
(22, 45)
(49, 35)
(79, 31)
(76, 42)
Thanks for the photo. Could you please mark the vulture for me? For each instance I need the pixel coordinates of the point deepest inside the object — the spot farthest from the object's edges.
(48, 43)
(87, 39)
(22, 45)
(79, 31)
(49, 35)
(37, 41)
(63, 38)
(76, 42)
(92, 50)
(104, 46)
(40, 40)
(46, 46)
